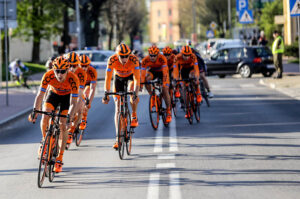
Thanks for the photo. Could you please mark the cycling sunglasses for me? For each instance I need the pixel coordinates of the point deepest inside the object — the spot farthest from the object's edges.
(186, 55)
(73, 66)
(152, 55)
(167, 54)
(60, 71)
(84, 66)
(124, 56)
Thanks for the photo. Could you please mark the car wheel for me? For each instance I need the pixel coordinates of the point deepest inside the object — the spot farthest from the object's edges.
(267, 73)
(221, 76)
(245, 71)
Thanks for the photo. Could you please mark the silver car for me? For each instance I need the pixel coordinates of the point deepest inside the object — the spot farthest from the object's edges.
(98, 59)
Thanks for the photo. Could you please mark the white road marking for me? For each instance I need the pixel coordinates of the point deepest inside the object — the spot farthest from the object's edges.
(166, 157)
(165, 165)
(153, 188)
(174, 186)
(247, 86)
(173, 146)
(159, 138)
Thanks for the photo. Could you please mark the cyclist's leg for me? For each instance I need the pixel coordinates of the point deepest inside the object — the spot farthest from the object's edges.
(149, 77)
(205, 82)
(134, 105)
(196, 86)
(85, 109)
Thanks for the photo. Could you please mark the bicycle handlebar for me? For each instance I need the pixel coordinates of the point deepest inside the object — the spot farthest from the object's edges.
(51, 114)
(158, 81)
(120, 93)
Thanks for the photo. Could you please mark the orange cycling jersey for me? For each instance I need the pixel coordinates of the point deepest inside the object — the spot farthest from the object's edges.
(191, 62)
(70, 85)
(82, 76)
(171, 61)
(129, 68)
(160, 65)
(91, 75)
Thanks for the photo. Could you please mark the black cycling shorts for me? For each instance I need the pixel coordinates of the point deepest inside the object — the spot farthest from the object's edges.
(120, 82)
(157, 75)
(55, 99)
(185, 72)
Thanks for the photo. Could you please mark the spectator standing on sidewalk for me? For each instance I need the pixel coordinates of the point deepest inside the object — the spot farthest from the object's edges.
(262, 41)
(278, 50)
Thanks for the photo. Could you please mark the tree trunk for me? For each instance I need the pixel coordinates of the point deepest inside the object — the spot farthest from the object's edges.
(36, 47)
(110, 37)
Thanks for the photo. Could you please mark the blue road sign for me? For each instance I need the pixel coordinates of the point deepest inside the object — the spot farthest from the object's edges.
(246, 16)
(241, 5)
(295, 8)
(210, 34)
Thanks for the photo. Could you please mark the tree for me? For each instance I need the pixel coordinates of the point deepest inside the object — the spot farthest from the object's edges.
(38, 19)
(266, 22)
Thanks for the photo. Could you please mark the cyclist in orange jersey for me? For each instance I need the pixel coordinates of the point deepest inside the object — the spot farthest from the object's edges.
(90, 87)
(154, 66)
(126, 68)
(73, 59)
(186, 63)
(64, 86)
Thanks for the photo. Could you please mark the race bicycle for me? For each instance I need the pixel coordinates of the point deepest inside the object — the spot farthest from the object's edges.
(50, 146)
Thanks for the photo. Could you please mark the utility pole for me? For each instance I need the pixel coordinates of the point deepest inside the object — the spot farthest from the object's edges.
(194, 37)
(229, 17)
(6, 49)
(78, 24)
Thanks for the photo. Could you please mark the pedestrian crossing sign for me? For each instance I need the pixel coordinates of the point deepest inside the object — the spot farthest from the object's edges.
(295, 8)
(246, 16)
(210, 34)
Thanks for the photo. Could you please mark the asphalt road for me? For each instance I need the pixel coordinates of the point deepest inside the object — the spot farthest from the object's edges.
(246, 146)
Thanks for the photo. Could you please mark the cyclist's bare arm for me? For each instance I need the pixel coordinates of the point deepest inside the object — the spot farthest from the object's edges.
(92, 92)
(38, 100)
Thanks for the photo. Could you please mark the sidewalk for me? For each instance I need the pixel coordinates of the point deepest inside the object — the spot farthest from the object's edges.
(20, 102)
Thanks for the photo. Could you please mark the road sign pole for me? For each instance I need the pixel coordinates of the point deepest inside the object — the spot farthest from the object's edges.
(1, 61)
(6, 55)
(298, 24)
(78, 24)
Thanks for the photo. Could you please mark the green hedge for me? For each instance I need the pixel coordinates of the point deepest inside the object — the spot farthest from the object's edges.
(33, 68)
(292, 50)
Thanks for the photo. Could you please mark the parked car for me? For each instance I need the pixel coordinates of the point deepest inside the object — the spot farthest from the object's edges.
(98, 59)
(222, 43)
(243, 60)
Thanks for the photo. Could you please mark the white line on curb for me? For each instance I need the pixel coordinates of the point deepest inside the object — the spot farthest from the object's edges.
(165, 165)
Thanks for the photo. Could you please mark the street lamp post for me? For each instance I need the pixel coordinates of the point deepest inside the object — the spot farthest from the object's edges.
(229, 17)
(78, 24)
(6, 46)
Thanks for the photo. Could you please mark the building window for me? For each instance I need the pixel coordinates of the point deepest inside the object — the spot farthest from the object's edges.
(171, 38)
(159, 26)
(170, 25)
(170, 12)
(158, 13)
(159, 38)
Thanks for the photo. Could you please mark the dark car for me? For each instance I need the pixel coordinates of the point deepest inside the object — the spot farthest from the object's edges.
(244, 60)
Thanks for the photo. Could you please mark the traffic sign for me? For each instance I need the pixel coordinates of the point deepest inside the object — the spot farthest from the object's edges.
(241, 5)
(213, 25)
(210, 34)
(295, 8)
(246, 16)
(11, 9)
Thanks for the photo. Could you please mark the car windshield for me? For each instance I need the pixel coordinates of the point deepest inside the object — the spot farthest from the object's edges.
(262, 52)
(101, 56)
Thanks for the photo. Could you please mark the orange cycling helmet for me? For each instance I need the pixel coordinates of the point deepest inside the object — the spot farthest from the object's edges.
(60, 63)
(84, 60)
(123, 50)
(167, 50)
(186, 50)
(73, 58)
(153, 50)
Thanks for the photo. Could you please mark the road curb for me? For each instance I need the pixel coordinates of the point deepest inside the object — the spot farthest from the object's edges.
(14, 118)
(284, 91)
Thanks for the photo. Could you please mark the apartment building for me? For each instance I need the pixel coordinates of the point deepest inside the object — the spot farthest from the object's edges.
(164, 21)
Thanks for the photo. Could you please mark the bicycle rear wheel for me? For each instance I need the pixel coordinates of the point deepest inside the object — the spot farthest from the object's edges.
(153, 111)
(78, 136)
(54, 153)
(43, 165)
(196, 107)
(163, 110)
(121, 131)
(129, 135)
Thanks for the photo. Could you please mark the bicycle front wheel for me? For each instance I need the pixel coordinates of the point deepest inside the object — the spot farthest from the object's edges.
(153, 111)
(53, 154)
(121, 131)
(78, 136)
(43, 165)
